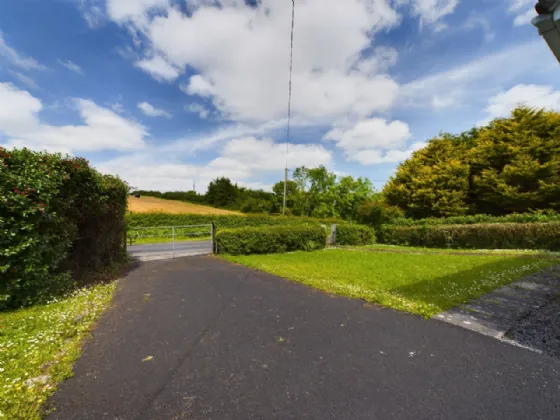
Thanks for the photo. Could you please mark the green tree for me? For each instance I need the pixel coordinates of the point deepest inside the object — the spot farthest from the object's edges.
(511, 165)
(222, 193)
(350, 194)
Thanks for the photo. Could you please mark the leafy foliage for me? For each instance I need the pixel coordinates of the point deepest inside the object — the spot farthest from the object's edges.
(536, 217)
(545, 236)
(347, 234)
(377, 213)
(221, 221)
(270, 240)
(511, 165)
(59, 219)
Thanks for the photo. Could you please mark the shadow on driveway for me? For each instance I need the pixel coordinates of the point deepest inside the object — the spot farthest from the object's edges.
(199, 338)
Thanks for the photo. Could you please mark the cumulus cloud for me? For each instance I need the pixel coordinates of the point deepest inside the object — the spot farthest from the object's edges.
(71, 66)
(243, 67)
(240, 159)
(373, 141)
(152, 111)
(503, 103)
(159, 68)
(102, 129)
(17, 59)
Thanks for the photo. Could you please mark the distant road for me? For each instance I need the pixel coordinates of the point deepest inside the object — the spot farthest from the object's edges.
(167, 250)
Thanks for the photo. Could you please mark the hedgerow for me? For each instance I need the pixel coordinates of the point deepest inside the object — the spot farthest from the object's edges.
(60, 222)
(270, 239)
(221, 221)
(545, 236)
(347, 234)
(539, 217)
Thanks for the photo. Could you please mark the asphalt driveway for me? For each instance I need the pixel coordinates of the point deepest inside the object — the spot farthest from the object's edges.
(198, 338)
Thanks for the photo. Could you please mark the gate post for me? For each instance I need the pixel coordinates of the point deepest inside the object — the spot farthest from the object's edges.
(173, 240)
(214, 245)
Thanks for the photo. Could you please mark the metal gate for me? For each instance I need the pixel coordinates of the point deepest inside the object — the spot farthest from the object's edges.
(164, 242)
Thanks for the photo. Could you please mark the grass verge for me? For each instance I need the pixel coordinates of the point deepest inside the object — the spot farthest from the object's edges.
(39, 344)
(421, 284)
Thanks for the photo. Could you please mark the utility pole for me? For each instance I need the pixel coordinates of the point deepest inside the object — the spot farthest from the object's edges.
(285, 190)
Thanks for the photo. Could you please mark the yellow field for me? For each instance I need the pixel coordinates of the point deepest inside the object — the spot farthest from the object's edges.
(152, 204)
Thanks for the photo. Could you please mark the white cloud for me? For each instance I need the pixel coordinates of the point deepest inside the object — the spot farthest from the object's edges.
(374, 141)
(244, 160)
(102, 128)
(198, 109)
(503, 103)
(376, 157)
(151, 111)
(331, 79)
(467, 83)
(431, 11)
(158, 68)
(252, 154)
(374, 133)
(123, 10)
(16, 59)
(71, 66)
(524, 18)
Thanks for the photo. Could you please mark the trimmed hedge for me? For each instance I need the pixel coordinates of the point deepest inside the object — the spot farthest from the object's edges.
(479, 219)
(545, 236)
(347, 234)
(221, 221)
(270, 239)
(60, 221)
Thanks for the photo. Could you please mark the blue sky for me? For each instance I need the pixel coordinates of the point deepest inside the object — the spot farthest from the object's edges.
(165, 93)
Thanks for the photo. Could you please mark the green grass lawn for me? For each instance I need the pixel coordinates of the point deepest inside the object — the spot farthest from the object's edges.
(414, 249)
(423, 284)
(39, 344)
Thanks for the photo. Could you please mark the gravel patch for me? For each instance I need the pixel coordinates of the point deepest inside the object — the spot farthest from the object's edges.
(540, 329)
(525, 313)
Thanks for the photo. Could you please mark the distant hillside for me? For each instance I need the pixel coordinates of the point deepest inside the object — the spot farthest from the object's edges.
(152, 204)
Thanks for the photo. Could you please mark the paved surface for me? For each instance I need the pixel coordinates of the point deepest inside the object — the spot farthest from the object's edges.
(506, 312)
(223, 342)
(151, 252)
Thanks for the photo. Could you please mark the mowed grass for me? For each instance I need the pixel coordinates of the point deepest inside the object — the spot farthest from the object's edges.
(39, 344)
(153, 204)
(420, 284)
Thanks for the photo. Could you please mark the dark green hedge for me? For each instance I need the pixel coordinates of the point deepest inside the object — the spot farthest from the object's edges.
(347, 234)
(479, 219)
(544, 236)
(222, 221)
(60, 222)
(271, 239)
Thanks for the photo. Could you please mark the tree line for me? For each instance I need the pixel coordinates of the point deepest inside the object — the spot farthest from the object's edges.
(312, 192)
(511, 165)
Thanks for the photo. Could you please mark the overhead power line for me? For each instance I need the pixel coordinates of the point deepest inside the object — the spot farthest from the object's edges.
(289, 106)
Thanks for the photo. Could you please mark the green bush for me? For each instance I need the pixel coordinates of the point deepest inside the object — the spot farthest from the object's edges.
(270, 239)
(347, 234)
(221, 221)
(60, 221)
(544, 236)
(536, 217)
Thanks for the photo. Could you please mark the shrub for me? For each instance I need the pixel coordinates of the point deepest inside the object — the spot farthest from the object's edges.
(59, 220)
(347, 234)
(377, 213)
(221, 221)
(536, 217)
(270, 239)
(544, 236)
